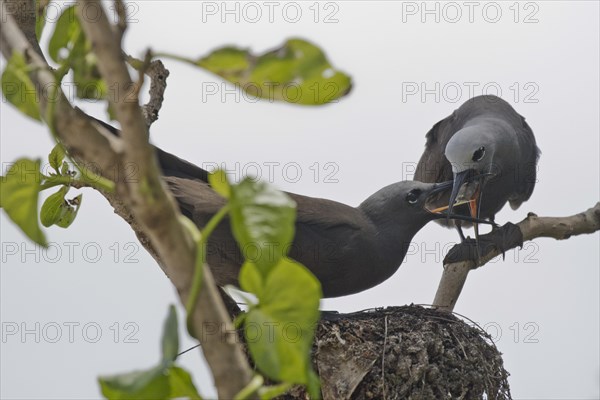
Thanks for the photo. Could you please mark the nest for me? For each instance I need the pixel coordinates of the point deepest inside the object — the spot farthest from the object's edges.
(406, 352)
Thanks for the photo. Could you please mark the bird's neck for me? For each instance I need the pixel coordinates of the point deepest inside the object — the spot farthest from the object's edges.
(393, 236)
(395, 241)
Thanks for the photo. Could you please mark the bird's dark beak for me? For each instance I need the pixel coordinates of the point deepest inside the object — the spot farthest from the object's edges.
(440, 187)
(461, 217)
(459, 180)
(443, 186)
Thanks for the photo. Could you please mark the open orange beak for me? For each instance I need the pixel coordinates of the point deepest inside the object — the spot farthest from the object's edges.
(458, 203)
(473, 204)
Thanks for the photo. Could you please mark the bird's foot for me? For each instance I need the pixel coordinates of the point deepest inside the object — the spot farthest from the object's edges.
(500, 239)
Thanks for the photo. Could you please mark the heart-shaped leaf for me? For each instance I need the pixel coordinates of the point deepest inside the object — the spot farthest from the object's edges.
(218, 181)
(19, 191)
(56, 157)
(262, 220)
(280, 329)
(297, 72)
(54, 207)
(165, 381)
(18, 89)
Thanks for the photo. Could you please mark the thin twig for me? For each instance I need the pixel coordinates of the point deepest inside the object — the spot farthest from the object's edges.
(383, 357)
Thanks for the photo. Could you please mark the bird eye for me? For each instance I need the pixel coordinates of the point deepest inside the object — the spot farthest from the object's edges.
(479, 153)
(413, 196)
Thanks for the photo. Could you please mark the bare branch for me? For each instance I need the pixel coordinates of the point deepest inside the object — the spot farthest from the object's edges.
(158, 83)
(532, 227)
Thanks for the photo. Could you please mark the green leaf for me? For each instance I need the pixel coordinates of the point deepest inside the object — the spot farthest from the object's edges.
(65, 34)
(17, 87)
(280, 329)
(272, 392)
(65, 168)
(250, 279)
(313, 385)
(56, 157)
(86, 75)
(69, 36)
(54, 207)
(111, 112)
(262, 220)
(19, 191)
(181, 384)
(170, 339)
(158, 383)
(67, 218)
(297, 72)
(251, 388)
(56, 210)
(40, 17)
(227, 62)
(218, 181)
(137, 385)
(165, 381)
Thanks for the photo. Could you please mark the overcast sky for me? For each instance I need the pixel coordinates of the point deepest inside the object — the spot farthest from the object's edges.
(410, 69)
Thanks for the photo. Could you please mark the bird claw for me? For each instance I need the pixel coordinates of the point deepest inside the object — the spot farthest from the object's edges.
(501, 239)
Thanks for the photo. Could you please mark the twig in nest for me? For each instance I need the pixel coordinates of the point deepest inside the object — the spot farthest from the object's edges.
(383, 357)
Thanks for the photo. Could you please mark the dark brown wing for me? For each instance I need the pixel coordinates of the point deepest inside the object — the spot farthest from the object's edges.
(327, 241)
(527, 172)
(334, 241)
(433, 165)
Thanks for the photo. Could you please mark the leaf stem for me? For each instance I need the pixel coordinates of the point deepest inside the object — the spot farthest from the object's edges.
(51, 181)
(271, 392)
(88, 177)
(92, 179)
(200, 260)
(175, 57)
(252, 387)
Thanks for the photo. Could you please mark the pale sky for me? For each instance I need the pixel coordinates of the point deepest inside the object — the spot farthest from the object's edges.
(410, 69)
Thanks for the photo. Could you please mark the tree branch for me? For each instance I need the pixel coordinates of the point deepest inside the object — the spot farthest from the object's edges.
(143, 200)
(155, 210)
(75, 131)
(158, 84)
(24, 14)
(532, 227)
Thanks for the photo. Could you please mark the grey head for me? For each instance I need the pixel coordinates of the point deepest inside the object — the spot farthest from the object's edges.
(400, 210)
(401, 204)
(481, 144)
(482, 149)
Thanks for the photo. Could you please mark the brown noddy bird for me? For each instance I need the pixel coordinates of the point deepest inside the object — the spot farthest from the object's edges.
(490, 153)
(349, 249)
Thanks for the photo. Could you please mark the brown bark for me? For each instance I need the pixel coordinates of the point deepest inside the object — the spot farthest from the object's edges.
(143, 202)
(532, 227)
